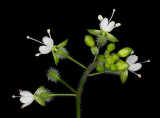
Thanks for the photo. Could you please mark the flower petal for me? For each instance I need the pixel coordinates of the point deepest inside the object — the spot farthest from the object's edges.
(48, 41)
(104, 23)
(110, 26)
(45, 49)
(27, 99)
(26, 104)
(135, 67)
(26, 93)
(131, 59)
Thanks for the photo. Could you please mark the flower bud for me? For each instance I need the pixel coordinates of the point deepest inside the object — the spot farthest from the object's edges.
(100, 68)
(109, 60)
(121, 65)
(53, 75)
(94, 32)
(106, 54)
(115, 57)
(113, 67)
(111, 47)
(94, 50)
(89, 41)
(107, 65)
(124, 52)
(101, 58)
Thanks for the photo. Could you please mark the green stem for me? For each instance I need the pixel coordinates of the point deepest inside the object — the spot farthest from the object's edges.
(62, 53)
(93, 74)
(54, 95)
(76, 62)
(63, 82)
(107, 72)
(80, 87)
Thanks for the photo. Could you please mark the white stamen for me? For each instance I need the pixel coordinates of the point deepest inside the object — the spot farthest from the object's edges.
(145, 61)
(48, 31)
(117, 25)
(100, 17)
(35, 40)
(132, 52)
(13, 96)
(37, 55)
(139, 75)
(112, 14)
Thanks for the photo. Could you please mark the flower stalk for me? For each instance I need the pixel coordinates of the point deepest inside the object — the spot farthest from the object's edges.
(55, 95)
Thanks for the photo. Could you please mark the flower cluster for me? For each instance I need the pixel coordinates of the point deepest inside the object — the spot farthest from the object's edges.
(109, 62)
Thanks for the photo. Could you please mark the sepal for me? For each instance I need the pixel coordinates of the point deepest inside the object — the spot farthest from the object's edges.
(124, 76)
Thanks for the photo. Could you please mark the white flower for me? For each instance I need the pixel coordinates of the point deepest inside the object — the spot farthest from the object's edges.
(107, 25)
(26, 98)
(47, 44)
(131, 60)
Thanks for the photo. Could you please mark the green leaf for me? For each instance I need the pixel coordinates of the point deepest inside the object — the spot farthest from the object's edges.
(39, 100)
(124, 76)
(56, 59)
(62, 44)
(111, 38)
(94, 31)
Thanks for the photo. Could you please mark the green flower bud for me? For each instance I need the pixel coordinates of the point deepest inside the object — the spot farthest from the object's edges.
(124, 76)
(94, 32)
(53, 75)
(89, 41)
(111, 47)
(107, 65)
(100, 68)
(113, 67)
(106, 54)
(121, 65)
(101, 58)
(124, 52)
(109, 60)
(94, 50)
(115, 57)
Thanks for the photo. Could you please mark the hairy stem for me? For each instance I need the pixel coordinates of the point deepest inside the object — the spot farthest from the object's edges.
(80, 87)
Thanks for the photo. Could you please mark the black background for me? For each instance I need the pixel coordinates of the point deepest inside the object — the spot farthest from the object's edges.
(103, 95)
